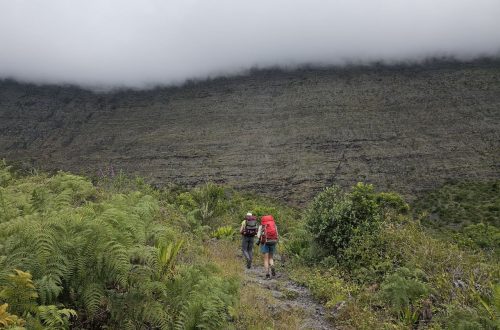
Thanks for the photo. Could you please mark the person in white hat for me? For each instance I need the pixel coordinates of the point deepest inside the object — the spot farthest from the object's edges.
(248, 230)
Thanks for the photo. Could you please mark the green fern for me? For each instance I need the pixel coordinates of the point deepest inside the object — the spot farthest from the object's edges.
(110, 256)
(92, 297)
(402, 290)
(54, 318)
(49, 287)
(203, 299)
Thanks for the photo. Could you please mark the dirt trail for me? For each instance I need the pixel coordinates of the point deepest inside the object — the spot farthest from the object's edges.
(290, 297)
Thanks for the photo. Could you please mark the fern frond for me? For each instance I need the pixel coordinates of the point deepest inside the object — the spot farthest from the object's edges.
(55, 318)
(92, 296)
(63, 199)
(156, 315)
(49, 287)
(43, 241)
(116, 262)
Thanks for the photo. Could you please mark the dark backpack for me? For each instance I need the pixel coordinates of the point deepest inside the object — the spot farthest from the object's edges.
(269, 232)
(250, 226)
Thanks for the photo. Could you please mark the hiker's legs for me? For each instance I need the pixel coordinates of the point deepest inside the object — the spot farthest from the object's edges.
(271, 260)
(266, 251)
(244, 247)
(266, 262)
(250, 249)
(247, 248)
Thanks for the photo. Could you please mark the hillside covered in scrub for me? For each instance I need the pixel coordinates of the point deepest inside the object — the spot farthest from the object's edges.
(114, 252)
(283, 134)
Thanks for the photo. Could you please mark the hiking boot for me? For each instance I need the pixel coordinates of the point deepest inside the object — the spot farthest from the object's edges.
(268, 277)
(273, 272)
(249, 264)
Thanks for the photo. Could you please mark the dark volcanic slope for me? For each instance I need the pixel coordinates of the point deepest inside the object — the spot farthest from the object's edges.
(286, 134)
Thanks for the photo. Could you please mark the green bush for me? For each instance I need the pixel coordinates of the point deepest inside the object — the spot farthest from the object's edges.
(334, 217)
(367, 258)
(390, 201)
(297, 244)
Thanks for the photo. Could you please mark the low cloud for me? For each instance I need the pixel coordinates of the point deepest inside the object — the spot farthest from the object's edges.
(142, 43)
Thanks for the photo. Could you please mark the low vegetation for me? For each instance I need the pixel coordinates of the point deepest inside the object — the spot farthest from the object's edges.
(467, 213)
(112, 256)
(366, 257)
(115, 253)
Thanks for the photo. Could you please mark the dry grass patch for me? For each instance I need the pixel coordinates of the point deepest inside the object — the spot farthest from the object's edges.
(257, 309)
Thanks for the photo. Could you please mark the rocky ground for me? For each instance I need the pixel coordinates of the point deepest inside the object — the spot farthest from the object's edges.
(289, 298)
(285, 134)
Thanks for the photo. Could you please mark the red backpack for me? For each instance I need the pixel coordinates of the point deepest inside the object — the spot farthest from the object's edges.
(269, 232)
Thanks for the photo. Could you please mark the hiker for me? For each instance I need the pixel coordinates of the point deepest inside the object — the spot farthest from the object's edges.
(268, 239)
(248, 230)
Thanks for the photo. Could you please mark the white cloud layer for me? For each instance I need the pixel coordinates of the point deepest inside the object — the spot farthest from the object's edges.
(139, 43)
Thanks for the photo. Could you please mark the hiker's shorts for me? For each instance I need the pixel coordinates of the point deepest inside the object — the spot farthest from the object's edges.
(264, 248)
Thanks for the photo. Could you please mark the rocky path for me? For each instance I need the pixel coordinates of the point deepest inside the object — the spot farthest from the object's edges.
(290, 297)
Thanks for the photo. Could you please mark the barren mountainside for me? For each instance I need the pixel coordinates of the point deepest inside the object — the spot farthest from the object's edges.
(285, 134)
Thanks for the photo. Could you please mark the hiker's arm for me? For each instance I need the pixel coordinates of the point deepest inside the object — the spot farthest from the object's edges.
(242, 227)
(259, 232)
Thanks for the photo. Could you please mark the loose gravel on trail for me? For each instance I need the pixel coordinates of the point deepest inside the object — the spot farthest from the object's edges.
(290, 297)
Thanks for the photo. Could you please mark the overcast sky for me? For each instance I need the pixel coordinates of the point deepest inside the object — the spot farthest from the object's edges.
(145, 42)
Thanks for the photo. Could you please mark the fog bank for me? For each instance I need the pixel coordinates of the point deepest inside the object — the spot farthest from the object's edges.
(149, 42)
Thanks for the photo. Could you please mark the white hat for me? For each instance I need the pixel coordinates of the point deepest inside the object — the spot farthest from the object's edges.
(249, 214)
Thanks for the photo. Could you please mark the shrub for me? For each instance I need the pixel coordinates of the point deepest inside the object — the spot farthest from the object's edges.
(296, 244)
(367, 258)
(390, 201)
(334, 218)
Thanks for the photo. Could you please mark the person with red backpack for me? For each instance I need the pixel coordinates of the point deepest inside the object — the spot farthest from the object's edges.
(268, 239)
(248, 230)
